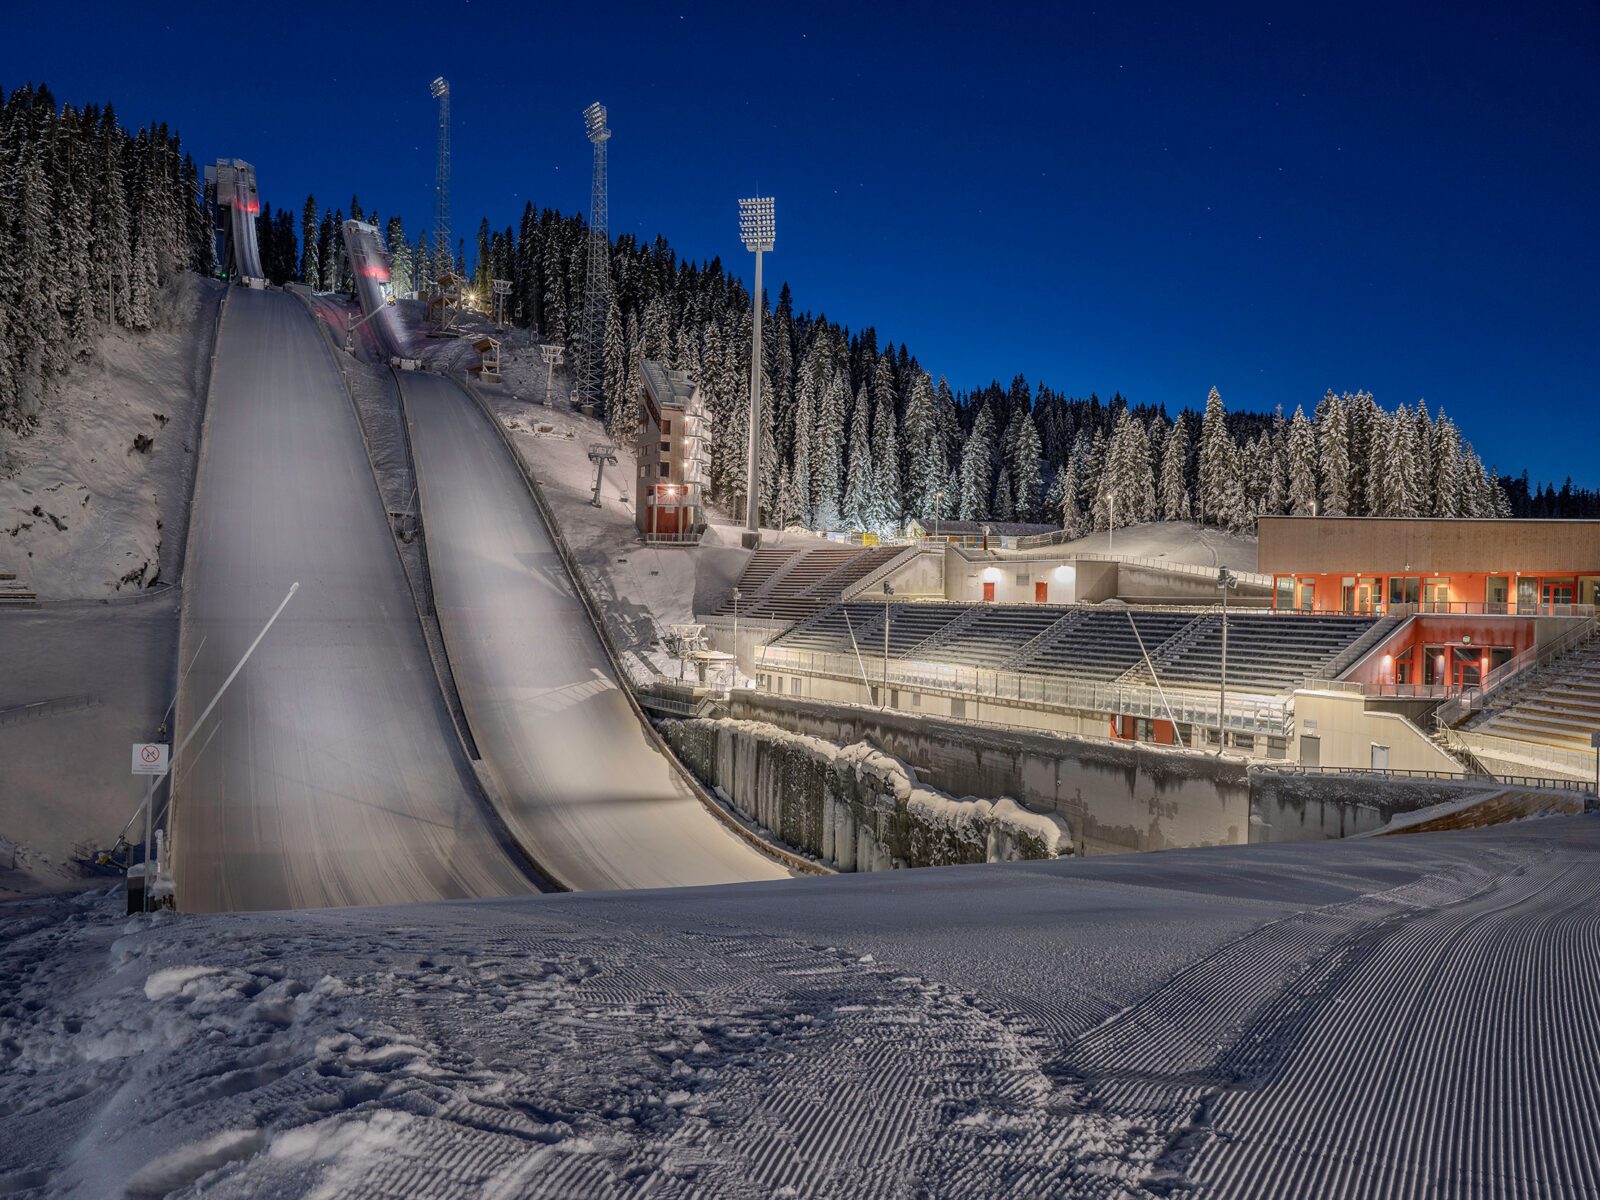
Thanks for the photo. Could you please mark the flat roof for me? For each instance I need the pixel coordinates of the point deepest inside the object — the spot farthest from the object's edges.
(1398, 545)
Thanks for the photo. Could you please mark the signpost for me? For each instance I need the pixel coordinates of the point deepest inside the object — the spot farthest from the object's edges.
(150, 758)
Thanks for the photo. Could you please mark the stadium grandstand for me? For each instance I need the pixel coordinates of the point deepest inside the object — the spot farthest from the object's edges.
(1346, 676)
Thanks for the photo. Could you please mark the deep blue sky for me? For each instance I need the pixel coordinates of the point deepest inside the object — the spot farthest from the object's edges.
(1146, 198)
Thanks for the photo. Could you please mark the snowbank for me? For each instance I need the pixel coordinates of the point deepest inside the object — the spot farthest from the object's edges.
(856, 807)
(95, 500)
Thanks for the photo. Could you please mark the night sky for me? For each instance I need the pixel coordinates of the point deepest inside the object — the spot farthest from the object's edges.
(1145, 199)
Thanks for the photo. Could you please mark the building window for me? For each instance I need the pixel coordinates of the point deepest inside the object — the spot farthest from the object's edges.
(958, 708)
(666, 470)
(666, 447)
(794, 686)
(916, 699)
(666, 425)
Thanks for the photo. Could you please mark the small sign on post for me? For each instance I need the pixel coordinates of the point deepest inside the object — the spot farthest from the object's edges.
(150, 758)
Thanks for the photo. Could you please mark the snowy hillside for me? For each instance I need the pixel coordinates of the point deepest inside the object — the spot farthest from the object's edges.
(1176, 541)
(95, 500)
(1133, 1026)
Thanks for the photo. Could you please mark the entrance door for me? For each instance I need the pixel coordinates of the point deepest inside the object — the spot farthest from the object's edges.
(1528, 595)
(1041, 592)
(1435, 595)
(988, 592)
(1310, 750)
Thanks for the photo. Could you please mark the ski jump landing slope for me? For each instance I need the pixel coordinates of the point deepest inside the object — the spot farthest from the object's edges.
(586, 789)
(329, 774)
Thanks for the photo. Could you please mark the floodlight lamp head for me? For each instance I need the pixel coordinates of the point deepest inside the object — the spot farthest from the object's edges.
(439, 87)
(757, 226)
(594, 122)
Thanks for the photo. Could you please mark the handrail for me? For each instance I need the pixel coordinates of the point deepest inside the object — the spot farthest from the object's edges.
(1472, 700)
(1243, 713)
(1493, 744)
(1547, 782)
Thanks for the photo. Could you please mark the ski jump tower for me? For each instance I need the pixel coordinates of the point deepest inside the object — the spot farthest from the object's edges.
(441, 182)
(597, 280)
(237, 203)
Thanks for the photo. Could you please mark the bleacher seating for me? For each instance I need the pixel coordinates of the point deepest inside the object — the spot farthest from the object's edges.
(1269, 654)
(994, 634)
(789, 583)
(1558, 706)
(1266, 654)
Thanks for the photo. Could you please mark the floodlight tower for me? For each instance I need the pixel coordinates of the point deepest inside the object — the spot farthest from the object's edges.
(597, 280)
(757, 229)
(441, 181)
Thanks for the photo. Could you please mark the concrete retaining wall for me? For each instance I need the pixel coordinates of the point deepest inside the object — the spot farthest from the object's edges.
(1290, 807)
(855, 807)
(1114, 798)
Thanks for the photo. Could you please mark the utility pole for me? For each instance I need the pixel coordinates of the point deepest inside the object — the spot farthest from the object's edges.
(597, 277)
(736, 595)
(757, 229)
(1226, 579)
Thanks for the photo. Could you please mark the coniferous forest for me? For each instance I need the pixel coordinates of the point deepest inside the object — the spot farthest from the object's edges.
(97, 220)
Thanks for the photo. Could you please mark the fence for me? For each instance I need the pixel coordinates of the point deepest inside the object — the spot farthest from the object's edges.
(46, 708)
(1543, 782)
(1579, 762)
(1244, 713)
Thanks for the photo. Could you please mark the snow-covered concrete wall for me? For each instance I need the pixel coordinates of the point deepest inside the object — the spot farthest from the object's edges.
(856, 807)
(1287, 806)
(1115, 798)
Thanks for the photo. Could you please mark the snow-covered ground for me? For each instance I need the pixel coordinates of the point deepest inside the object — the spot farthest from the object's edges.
(1409, 1016)
(1177, 541)
(87, 512)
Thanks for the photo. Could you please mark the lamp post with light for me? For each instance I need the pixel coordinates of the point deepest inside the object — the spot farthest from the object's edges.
(757, 230)
(1226, 579)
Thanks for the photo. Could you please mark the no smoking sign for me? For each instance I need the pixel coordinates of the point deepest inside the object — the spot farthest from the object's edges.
(149, 758)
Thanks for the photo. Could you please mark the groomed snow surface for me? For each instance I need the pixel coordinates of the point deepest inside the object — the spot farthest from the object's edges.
(1410, 1016)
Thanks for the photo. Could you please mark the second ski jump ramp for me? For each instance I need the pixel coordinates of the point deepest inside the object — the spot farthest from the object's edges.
(586, 789)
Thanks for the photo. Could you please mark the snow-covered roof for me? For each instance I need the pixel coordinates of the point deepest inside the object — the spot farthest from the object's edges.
(668, 388)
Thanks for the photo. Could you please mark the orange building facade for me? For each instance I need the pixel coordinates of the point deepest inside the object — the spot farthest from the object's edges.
(1426, 565)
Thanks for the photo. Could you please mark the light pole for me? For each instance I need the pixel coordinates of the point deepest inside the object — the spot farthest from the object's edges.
(1111, 528)
(552, 360)
(736, 595)
(757, 230)
(351, 324)
(1225, 579)
(888, 615)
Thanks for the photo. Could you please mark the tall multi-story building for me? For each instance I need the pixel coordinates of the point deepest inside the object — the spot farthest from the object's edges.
(674, 455)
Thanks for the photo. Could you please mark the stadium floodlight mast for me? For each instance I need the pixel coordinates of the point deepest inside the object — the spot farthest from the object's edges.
(1225, 579)
(552, 359)
(756, 230)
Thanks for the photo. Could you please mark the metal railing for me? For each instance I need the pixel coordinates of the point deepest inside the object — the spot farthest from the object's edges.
(1244, 713)
(1543, 782)
(1580, 762)
(1472, 699)
(1471, 608)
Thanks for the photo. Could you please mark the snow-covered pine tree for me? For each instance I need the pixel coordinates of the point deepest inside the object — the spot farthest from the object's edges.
(1074, 518)
(827, 453)
(976, 458)
(1302, 465)
(1333, 456)
(1174, 494)
(859, 510)
(1447, 476)
(310, 267)
(1023, 463)
(805, 420)
(400, 276)
(1004, 507)
(917, 437)
(887, 489)
(622, 408)
(1219, 466)
(1127, 493)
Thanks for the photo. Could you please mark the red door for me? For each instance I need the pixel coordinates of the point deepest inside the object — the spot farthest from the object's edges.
(988, 592)
(1041, 592)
